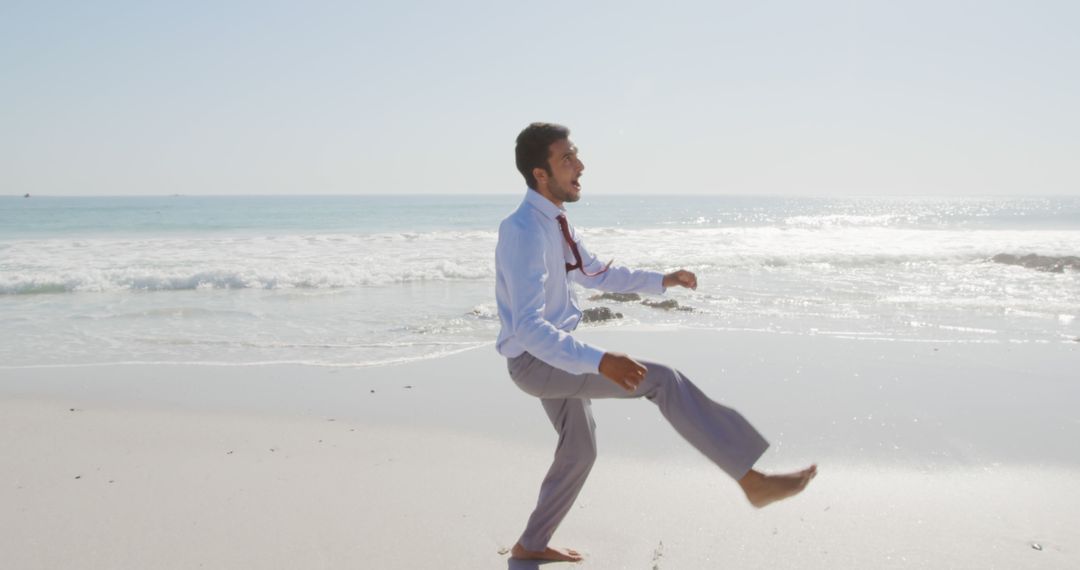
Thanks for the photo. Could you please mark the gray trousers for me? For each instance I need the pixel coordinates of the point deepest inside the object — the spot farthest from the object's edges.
(719, 432)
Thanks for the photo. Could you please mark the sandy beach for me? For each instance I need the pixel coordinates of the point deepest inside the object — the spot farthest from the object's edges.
(931, 455)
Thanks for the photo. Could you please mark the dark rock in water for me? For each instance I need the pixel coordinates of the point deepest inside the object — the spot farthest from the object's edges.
(668, 305)
(1050, 263)
(620, 297)
(598, 314)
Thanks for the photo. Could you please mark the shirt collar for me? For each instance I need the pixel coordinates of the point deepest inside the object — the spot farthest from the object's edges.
(538, 201)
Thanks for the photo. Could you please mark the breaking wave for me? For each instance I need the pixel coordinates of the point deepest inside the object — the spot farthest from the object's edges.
(343, 261)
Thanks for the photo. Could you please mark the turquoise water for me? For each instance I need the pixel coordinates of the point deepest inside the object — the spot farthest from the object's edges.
(361, 280)
(59, 216)
(52, 216)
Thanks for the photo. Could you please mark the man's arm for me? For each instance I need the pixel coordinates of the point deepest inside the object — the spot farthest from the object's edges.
(520, 256)
(621, 368)
(618, 279)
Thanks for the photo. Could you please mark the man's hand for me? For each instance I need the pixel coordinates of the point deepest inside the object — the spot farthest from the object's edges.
(682, 278)
(622, 370)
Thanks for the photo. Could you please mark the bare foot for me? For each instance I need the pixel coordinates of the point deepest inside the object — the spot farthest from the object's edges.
(549, 553)
(763, 489)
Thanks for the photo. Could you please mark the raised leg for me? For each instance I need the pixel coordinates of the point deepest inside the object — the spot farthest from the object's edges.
(721, 433)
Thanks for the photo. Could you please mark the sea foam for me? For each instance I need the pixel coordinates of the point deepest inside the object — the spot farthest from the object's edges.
(347, 282)
(347, 260)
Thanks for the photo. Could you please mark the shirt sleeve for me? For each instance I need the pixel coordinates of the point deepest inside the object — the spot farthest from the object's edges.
(616, 279)
(521, 259)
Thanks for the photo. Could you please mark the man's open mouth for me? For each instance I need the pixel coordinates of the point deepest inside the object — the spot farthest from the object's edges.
(575, 184)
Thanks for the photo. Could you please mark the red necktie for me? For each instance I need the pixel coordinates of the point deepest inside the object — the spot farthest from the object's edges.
(573, 248)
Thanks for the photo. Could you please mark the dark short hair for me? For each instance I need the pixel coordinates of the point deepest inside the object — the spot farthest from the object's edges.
(532, 148)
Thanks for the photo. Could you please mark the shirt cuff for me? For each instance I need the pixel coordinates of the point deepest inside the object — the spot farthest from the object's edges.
(592, 357)
(657, 284)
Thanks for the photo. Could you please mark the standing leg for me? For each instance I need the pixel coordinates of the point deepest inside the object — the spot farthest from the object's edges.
(574, 458)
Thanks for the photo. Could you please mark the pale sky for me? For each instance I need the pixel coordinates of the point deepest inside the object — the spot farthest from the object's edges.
(778, 97)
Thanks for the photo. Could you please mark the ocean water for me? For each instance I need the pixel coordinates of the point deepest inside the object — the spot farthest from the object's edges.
(366, 280)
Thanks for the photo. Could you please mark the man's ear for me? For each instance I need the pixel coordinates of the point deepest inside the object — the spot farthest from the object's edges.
(540, 175)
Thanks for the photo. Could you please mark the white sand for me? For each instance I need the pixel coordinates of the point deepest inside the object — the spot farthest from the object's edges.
(931, 456)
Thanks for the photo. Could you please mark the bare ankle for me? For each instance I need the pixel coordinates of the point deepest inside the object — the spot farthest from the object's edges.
(751, 479)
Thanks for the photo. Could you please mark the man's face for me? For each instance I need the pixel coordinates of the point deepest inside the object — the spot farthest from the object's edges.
(563, 183)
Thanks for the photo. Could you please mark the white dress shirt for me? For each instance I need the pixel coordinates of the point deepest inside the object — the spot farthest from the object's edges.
(537, 306)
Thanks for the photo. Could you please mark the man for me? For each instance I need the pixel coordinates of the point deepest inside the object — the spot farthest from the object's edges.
(537, 257)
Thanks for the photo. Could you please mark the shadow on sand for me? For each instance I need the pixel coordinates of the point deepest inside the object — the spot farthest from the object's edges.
(513, 564)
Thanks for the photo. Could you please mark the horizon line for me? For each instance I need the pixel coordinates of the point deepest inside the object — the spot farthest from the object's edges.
(606, 194)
